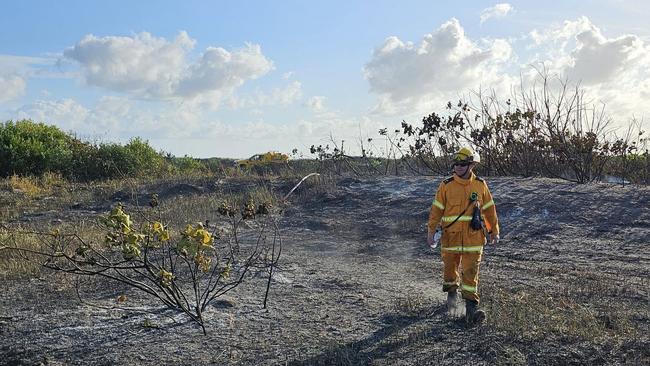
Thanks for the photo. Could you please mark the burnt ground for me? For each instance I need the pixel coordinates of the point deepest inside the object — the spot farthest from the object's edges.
(357, 284)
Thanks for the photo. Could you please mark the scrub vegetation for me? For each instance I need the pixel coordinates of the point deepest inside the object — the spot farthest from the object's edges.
(548, 130)
(121, 254)
(355, 282)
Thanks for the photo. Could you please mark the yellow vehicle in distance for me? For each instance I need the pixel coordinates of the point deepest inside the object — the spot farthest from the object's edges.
(271, 157)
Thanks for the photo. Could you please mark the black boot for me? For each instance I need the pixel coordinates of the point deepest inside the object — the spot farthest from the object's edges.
(473, 315)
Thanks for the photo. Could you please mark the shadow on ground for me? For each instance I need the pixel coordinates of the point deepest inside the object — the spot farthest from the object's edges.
(398, 334)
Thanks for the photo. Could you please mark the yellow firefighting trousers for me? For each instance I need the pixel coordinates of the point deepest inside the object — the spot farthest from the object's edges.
(468, 265)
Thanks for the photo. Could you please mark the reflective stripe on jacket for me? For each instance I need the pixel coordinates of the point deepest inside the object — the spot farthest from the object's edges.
(450, 204)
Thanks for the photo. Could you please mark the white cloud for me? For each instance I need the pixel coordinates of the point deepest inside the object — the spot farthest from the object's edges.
(597, 59)
(316, 103)
(497, 11)
(613, 70)
(16, 70)
(300, 134)
(114, 118)
(67, 114)
(282, 96)
(182, 129)
(142, 64)
(11, 87)
(409, 77)
(219, 70)
(23, 65)
(586, 55)
(155, 68)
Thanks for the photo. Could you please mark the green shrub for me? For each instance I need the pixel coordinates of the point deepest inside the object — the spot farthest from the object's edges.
(135, 159)
(28, 148)
(188, 165)
(33, 148)
(86, 163)
(217, 165)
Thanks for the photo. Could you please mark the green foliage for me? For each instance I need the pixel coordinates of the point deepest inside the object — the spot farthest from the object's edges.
(30, 148)
(188, 165)
(135, 159)
(33, 148)
(217, 165)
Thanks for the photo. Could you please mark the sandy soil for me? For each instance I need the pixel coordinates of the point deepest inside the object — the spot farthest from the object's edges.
(358, 285)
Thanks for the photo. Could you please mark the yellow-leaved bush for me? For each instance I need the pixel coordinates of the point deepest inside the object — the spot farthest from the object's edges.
(123, 233)
(196, 243)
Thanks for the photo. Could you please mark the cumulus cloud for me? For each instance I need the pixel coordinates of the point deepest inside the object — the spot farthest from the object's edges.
(445, 62)
(151, 67)
(141, 64)
(496, 11)
(411, 79)
(597, 59)
(583, 53)
(614, 70)
(219, 69)
(11, 87)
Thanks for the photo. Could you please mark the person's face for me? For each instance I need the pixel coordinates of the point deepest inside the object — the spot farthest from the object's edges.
(462, 168)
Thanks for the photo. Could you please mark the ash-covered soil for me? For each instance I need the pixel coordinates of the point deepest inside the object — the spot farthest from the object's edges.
(357, 284)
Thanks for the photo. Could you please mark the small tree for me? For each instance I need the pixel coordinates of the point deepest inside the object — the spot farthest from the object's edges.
(185, 271)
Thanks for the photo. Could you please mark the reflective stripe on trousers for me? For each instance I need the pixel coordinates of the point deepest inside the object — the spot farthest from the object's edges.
(468, 288)
(464, 249)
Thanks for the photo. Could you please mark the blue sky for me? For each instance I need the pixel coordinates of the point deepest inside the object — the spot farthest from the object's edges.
(232, 78)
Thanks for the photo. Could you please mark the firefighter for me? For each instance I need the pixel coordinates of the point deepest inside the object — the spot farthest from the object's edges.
(465, 211)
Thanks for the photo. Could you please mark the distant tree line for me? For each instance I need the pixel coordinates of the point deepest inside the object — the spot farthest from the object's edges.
(544, 131)
(549, 130)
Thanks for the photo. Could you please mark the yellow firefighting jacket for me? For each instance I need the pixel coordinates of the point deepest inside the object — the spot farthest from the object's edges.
(453, 200)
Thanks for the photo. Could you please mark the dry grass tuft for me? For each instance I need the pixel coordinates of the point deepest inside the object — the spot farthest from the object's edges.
(29, 186)
(565, 311)
(13, 262)
(198, 208)
(533, 315)
(413, 304)
(20, 263)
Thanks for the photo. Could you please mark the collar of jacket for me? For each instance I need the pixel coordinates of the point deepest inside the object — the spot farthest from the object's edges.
(467, 181)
